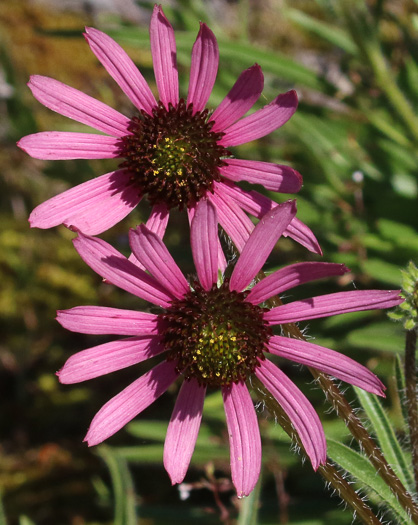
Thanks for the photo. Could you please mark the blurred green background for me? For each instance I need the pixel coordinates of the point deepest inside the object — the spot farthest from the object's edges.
(354, 139)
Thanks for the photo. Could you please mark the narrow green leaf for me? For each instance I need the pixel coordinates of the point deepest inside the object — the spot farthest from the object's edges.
(386, 437)
(332, 34)
(400, 382)
(123, 488)
(360, 467)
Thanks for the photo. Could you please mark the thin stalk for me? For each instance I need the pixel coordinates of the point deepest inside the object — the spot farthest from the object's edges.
(411, 397)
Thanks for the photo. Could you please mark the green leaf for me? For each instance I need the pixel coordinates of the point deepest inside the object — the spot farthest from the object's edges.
(360, 467)
(386, 437)
(123, 488)
(332, 34)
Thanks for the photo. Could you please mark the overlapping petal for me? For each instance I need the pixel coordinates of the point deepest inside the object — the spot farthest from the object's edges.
(116, 269)
(260, 245)
(244, 437)
(204, 243)
(122, 408)
(150, 251)
(275, 177)
(76, 105)
(262, 122)
(333, 304)
(121, 68)
(328, 361)
(164, 57)
(91, 207)
(205, 59)
(292, 276)
(106, 320)
(109, 357)
(183, 430)
(298, 409)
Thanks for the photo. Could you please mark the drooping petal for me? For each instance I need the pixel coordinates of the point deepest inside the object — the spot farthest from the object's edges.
(328, 361)
(122, 408)
(244, 438)
(109, 357)
(291, 276)
(163, 49)
(243, 95)
(150, 251)
(183, 430)
(76, 105)
(260, 244)
(204, 243)
(258, 205)
(275, 177)
(262, 122)
(222, 264)
(105, 320)
(121, 68)
(333, 304)
(204, 67)
(92, 207)
(57, 145)
(233, 220)
(299, 410)
(116, 269)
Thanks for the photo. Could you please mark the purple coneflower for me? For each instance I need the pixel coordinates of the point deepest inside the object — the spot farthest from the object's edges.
(174, 151)
(212, 334)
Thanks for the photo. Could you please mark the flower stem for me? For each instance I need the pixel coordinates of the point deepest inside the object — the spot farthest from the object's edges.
(411, 397)
(327, 471)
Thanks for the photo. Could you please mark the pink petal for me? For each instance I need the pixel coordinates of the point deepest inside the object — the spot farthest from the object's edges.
(262, 122)
(183, 430)
(122, 408)
(205, 59)
(222, 264)
(76, 105)
(260, 245)
(57, 145)
(244, 438)
(109, 357)
(104, 320)
(273, 177)
(333, 304)
(328, 361)
(92, 207)
(292, 276)
(243, 95)
(163, 49)
(150, 251)
(204, 242)
(121, 68)
(233, 220)
(258, 205)
(117, 270)
(157, 223)
(298, 409)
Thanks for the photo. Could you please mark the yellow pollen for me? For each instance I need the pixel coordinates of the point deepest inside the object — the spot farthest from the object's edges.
(212, 341)
(233, 338)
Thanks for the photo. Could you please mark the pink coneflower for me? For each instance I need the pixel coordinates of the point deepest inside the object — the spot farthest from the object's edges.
(212, 334)
(174, 151)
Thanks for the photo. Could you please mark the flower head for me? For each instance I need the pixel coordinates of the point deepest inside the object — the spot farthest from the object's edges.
(172, 151)
(212, 334)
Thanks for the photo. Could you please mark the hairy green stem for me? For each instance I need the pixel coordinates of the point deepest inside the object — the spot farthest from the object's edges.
(411, 397)
(327, 471)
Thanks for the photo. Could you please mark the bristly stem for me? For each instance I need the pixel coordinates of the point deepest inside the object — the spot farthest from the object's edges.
(355, 426)
(330, 474)
(411, 396)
